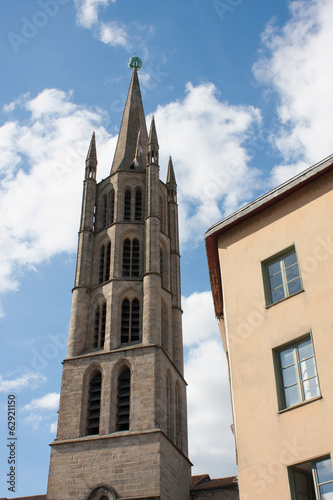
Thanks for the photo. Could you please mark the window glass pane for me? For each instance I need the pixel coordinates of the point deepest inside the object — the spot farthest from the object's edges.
(311, 388)
(291, 395)
(275, 281)
(308, 368)
(324, 471)
(289, 376)
(292, 272)
(277, 294)
(305, 349)
(290, 259)
(274, 268)
(326, 491)
(294, 286)
(287, 357)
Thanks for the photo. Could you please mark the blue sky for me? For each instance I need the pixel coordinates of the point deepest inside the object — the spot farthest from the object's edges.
(242, 97)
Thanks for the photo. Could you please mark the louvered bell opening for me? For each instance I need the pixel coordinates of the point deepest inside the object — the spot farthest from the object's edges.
(93, 415)
(135, 330)
(96, 328)
(125, 401)
(127, 205)
(126, 258)
(125, 320)
(93, 427)
(101, 265)
(94, 405)
(108, 258)
(103, 325)
(138, 204)
(135, 258)
(105, 209)
(124, 382)
(111, 207)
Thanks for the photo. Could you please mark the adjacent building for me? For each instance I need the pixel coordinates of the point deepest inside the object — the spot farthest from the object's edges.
(271, 268)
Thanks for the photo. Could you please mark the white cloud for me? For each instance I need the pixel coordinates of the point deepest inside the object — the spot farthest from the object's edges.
(297, 64)
(28, 380)
(48, 402)
(42, 170)
(87, 11)
(206, 138)
(113, 33)
(53, 427)
(212, 447)
(199, 321)
(33, 420)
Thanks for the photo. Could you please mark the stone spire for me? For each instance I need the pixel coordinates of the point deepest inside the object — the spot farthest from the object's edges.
(133, 132)
(91, 161)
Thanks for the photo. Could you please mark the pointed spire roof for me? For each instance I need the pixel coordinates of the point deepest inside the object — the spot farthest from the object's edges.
(92, 155)
(133, 129)
(152, 133)
(171, 178)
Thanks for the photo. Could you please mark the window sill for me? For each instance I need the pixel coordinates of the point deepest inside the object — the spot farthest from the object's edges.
(298, 405)
(268, 306)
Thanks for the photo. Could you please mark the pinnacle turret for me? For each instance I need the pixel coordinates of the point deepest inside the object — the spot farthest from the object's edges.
(171, 178)
(91, 160)
(153, 143)
(152, 133)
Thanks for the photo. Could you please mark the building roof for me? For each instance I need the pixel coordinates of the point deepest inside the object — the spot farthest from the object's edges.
(204, 482)
(251, 209)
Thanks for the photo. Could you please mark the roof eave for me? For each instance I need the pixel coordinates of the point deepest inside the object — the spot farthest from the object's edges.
(265, 201)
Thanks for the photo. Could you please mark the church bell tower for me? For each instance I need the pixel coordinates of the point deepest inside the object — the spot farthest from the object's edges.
(122, 428)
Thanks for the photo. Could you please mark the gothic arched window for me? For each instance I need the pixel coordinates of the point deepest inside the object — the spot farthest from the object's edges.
(111, 207)
(99, 326)
(107, 262)
(169, 405)
(127, 205)
(131, 258)
(130, 321)
(94, 403)
(104, 263)
(162, 214)
(164, 327)
(101, 265)
(135, 258)
(124, 395)
(178, 417)
(138, 204)
(105, 210)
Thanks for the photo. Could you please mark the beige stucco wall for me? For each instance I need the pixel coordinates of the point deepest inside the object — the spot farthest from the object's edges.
(268, 440)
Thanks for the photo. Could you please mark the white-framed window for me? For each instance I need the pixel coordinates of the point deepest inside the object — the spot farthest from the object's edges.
(312, 480)
(296, 373)
(281, 276)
